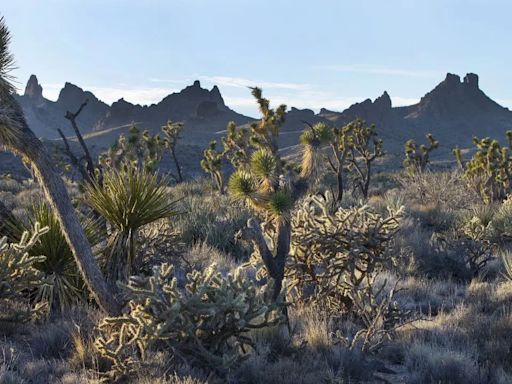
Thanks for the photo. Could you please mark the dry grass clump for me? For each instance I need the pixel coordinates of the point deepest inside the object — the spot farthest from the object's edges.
(208, 218)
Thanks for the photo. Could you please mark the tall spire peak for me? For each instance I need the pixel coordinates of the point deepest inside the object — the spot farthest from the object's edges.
(34, 89)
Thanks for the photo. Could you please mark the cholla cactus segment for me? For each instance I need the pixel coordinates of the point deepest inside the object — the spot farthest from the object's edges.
(335, 254)
(18, 274)
(207, 322)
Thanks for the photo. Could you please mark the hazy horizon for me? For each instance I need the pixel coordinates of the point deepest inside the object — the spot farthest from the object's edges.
(307, 56)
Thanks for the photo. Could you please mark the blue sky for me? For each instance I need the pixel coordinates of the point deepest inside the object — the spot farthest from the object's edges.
(303, 53)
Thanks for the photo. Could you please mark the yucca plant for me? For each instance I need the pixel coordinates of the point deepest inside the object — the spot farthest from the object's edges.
(129, 199)
(66, 285)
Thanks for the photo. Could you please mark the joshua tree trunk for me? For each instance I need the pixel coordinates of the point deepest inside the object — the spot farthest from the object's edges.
(275, 264)
(19, 139)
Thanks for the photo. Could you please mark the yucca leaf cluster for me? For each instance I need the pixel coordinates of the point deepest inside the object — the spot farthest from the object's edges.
(207, 322)
(128, 199)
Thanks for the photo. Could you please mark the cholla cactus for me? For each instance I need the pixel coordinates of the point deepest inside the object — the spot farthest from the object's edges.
(335, 261)
(18, 274)
(489, 171)
(417, 158)
(207, 323)
(336, 255)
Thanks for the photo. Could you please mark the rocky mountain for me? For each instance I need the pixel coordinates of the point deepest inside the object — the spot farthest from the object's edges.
(453, 111)
(203, 111)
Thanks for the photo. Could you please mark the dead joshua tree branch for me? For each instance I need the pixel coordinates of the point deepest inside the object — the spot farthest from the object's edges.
(89, 162)
(75, 162)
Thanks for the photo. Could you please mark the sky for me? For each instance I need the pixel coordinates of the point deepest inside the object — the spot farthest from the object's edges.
(306, 54)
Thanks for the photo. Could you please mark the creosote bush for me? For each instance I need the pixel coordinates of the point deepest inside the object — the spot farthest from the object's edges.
(207, 323)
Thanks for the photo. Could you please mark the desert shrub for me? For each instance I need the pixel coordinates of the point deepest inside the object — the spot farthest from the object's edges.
(441, 189)
(471, 243)
(207, 324)
(18, 274)
(429, 364)
(128, 199)
(435, 217)
(488, 172)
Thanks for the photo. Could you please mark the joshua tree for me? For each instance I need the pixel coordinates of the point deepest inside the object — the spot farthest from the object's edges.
(16, 136)
(171, 133)
(353, 147)
(365, 147)
(489, 171)
(418, 157)
(212, 164)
